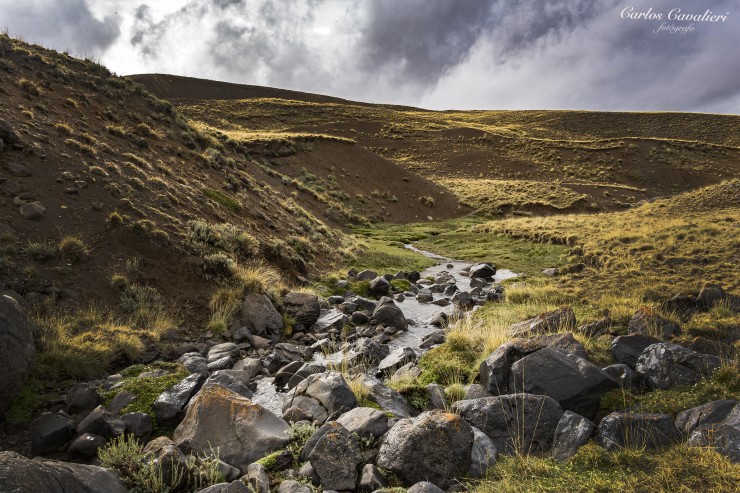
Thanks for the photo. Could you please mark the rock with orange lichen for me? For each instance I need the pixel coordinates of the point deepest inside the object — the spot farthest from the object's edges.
(242, 431)
(435, 446)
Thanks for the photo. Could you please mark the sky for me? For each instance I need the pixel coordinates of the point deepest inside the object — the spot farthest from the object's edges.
(436, 54)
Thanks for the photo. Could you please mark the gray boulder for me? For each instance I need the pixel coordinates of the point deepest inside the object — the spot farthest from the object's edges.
(425, 296)
(626, 349)
(169, 406)
(434, 446)
(138, 424)
(242, 430)
(335, 457)
(366, 275)
(225, 379)
(645, 321)
(303, 308)
(483, 456)
(625, 377)
(86, 445)
(100, 421)
(329, 389)
(17, 351)
(665, 364)
(379, 286)
(577, 384)
(21, 475)
(482, 270)
(371, 479)
(292, 486)
(389, 400)
(260, 317)
(709, 414)
(396, 360)
(365, 421)
(83, 397)
(331, 319)
(257, 478)
(630, 430)
(225, 350)
(573, 431)
(424, 487)
(50, 432)
(522, 423)
(283, 354)
(725, 439)
(495, 370)
(389, 314)
(194, 363)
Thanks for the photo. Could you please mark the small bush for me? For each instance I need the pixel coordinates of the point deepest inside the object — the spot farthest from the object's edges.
(80, 147)
(40, 251)
(73, 249)
(222, 199)
(29, 86)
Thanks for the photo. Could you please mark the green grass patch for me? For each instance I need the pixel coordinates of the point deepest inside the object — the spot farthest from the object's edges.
(456, 361)
(218, 197)
(594, 469)
(388, 257)
(724, 384)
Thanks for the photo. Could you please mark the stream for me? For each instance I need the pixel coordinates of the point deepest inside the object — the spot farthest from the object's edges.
(420, 313)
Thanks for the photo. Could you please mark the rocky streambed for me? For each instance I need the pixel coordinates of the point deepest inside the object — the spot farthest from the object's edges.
(309, 404)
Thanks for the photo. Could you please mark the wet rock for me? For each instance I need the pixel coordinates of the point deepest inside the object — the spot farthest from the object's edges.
(560, 320)
(252, 367)
(396, 360)
(514, 422)
(260, 317)
(332, 319)
(379, 286)
(138, 424)
(17, 351)
(365, 421)
(335, 457)
(577, 384)
(483, 455)
(242, 430)
(19, 474)
(86, 445)
(100, 421)
(83, 397)
(365, 352)
(50, 432)
(425, 296)
(432, 339)
(646, 322)
(434, 446)
(389, 314)
(482, 270)
(573, 432)
(194, 363)
(620, 430)
(664, 365)
(33, 211)
(282, 355)
(169, 406)
(626, 349)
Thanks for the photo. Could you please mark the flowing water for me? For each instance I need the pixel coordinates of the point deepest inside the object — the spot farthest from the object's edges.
(419, 313)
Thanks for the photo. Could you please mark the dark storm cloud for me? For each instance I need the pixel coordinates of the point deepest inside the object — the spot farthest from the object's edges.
(576, 54)
(63, 25)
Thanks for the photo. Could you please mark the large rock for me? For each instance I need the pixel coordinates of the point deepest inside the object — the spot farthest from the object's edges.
(50, 432)
(708, 415)
(483, 455)
(329, 389)
(396, 360)
(21, 475)
(83, 396)
(335, 457)
(241, 430)
(365, 421)
(379, 286)
(561, 320)
(436, 446)
(574, 382)
(666, 364)
(331, 319)
(482, 271)
(626, 349)
(163, 452)
(389, 314)
(523, 423)
(283, 354)
(388, 399)
(17, 352)
(169, 406)
(573, 431)
(621, 430)
(194, 363)
(645, 321)
(494, 371)
(102, 422)
(723, 438)
(303, 308)
(260, 317)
